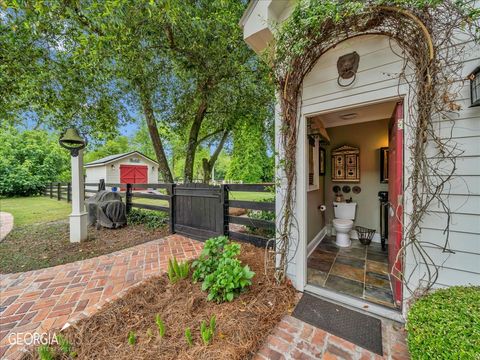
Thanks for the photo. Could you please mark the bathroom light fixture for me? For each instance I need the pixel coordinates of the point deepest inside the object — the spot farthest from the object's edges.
(348, 116)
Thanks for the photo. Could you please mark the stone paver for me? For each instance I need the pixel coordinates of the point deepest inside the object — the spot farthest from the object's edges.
(41, 300)
(295, 339)
(6, 224)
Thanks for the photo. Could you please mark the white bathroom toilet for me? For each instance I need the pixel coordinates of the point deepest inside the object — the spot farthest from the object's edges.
(343, 222)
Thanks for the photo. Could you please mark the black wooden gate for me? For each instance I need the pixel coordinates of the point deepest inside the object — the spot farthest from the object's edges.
(198, 211)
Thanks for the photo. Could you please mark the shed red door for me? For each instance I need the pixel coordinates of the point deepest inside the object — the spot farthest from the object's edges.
(133, 174)
(395, 196)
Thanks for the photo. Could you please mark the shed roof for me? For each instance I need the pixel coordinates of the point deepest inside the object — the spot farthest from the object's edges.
(111, 158)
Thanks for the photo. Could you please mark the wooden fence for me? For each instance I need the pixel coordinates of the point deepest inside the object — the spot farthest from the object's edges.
(196, 210)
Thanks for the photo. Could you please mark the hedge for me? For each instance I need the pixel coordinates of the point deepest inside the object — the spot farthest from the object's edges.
(445, 324)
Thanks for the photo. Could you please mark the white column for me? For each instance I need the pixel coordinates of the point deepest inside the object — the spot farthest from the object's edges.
(78, 217)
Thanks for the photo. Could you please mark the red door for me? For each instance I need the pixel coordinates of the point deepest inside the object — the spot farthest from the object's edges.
(395, 196)
(133, 174)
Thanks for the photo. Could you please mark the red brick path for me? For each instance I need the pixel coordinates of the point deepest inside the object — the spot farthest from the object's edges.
(40, 300)
(294, 339)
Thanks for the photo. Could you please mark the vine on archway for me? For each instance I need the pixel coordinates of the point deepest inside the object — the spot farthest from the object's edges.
(426, 31)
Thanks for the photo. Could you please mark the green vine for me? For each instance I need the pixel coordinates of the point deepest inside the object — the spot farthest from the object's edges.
(424, 30)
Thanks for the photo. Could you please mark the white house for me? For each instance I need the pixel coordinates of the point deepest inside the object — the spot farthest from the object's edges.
(344, 129)
(132, 167)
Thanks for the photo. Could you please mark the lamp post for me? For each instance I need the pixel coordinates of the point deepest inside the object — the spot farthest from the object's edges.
(72, 141)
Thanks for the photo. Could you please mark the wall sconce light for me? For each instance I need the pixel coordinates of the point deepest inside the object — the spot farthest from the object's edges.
(475, 87)
(153, 168)
(113, 166)
(347, 66)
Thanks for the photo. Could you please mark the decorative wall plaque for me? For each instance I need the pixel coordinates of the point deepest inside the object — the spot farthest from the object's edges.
(346, 164)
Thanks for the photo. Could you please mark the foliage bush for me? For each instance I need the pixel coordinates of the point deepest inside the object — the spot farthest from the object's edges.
(29, 160)
(446, 324)
(208, 260)
(222, 273)
(151, 219)
(177, 271)
(229, 278)
(262, 215)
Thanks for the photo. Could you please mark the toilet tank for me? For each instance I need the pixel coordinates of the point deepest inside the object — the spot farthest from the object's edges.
(344, 210)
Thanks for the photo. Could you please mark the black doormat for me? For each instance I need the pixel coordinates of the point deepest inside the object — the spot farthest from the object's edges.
(358, 328)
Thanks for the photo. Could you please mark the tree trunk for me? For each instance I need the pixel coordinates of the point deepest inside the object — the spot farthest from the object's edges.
(208, 164)
(155, 136)
(193, 140)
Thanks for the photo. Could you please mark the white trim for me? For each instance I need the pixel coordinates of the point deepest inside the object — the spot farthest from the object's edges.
(247, 13)
(374, 97)
(120, 158)
(316, 240)
(356, 303)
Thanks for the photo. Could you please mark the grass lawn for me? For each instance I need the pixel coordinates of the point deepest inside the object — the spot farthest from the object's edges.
(37, 209)
(40, 236)
(233, 195)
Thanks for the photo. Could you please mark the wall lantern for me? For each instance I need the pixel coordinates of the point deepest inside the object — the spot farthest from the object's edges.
(347, 66)
(71, 140)
(475, 87)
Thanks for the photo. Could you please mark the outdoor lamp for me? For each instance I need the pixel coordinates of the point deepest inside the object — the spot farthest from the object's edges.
(71, 140)
(475, 86)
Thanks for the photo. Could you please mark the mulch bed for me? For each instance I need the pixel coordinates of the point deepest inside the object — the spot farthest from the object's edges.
(242, 325)
(43, 245)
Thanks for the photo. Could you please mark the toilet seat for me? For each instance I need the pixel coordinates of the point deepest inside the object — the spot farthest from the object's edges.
(342, 223)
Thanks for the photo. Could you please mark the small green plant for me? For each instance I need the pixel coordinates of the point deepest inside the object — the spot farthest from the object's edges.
(188, 336)
(177, 271)
(64, 344)
(160, 325)
(445, 324)
(45, 353)
(262, 215)
(230, 278)
(151, 219)
(208, 331)
(132, 338)
(208, 260)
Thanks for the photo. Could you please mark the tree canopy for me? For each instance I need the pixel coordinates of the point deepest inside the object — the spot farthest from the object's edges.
(29, 160)
(179, 67)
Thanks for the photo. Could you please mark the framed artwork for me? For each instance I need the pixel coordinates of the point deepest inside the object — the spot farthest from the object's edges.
(346, 164)
(384, 165)
(321, 161)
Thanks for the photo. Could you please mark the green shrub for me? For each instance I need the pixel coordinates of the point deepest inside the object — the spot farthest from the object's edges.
(188, 336)
(208, 260)
(229, 278)
(151, 219)
(262, 215)
(207, 331)
(45, 352)
(446, 324)
(64, 344)
(132, 338)
(177, 271)
(160, 325)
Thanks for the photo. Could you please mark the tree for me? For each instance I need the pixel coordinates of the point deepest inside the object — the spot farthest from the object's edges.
(250, 162)
(29, 160)
(114, 146)
(104, 63)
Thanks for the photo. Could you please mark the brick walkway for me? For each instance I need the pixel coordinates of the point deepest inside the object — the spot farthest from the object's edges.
(294, 339)
(6, 224)
(40, 300)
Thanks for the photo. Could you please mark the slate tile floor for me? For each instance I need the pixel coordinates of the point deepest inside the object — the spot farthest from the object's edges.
(360, 271)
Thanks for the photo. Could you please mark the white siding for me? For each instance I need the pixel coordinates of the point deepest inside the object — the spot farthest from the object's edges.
(377, 79)
(94, 174)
